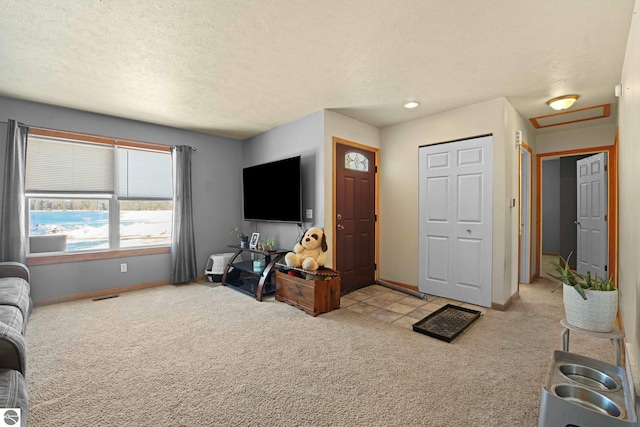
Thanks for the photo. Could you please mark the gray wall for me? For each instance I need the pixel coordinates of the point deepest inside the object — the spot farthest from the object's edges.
(568, 208)
(217, 194)
(551, 206)
(304, 137)
(559, 208)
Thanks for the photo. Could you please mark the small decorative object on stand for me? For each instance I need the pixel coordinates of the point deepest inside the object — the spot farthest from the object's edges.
(259, 265)
(244, 239)
(270, 243)
(253, 243)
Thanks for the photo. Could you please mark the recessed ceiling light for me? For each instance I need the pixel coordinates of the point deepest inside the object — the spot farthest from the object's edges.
(562, 102)
(411, 104)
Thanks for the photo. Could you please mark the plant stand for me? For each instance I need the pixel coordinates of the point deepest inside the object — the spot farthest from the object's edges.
(243, 276)
(615, 336)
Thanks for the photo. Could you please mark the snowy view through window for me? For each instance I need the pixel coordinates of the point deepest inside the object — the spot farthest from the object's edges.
(85, 222)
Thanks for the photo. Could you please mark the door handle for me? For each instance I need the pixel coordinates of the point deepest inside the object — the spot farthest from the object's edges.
(576, 222)
(340, 227)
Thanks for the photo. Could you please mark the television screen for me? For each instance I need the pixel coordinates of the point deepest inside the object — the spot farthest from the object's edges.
(262, 202)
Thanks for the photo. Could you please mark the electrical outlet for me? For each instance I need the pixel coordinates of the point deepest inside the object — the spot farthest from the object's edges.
(123, 267)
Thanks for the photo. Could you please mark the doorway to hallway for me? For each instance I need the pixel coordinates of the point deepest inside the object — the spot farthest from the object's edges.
(557, 227)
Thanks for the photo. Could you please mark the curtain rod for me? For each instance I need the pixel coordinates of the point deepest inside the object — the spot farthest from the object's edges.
(184, 145)
(6, 123)
(20, 123)
(108, 137)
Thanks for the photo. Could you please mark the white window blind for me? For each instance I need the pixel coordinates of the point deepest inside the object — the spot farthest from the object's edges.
(144, 174)
(60, 166)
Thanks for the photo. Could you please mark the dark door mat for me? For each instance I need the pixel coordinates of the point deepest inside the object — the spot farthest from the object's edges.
(447, 322)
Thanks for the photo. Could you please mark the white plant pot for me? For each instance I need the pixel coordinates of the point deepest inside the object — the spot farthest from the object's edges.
(597, 313)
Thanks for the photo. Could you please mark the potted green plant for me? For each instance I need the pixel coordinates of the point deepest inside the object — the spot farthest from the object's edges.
(270, 243)
(244, 239)
(593, 302)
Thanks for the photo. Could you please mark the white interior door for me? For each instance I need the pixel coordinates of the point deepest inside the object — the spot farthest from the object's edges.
(525, 215)
(592, 251)
(455, 213)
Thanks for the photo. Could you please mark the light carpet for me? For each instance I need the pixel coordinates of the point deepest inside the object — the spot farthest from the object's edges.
(197, 355)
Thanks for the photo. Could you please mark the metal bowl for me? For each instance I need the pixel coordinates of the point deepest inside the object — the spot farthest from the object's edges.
(589, 377)
(589, 399)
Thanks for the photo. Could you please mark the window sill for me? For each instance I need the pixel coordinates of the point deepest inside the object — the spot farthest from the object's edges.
(37, 259)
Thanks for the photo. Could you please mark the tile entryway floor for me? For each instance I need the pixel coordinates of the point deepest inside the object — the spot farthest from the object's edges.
(396, 307)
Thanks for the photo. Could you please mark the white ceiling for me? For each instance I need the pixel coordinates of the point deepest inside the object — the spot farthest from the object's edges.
(238, 67)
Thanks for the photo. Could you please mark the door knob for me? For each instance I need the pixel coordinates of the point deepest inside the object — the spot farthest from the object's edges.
(576, 222)
(340, 227)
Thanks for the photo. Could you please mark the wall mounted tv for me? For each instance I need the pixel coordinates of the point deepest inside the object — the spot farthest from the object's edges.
(262, 203)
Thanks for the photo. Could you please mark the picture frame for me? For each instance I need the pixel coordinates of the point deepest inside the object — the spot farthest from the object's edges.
(253, 243)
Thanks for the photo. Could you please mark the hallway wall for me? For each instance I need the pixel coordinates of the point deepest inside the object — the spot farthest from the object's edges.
(551, 206)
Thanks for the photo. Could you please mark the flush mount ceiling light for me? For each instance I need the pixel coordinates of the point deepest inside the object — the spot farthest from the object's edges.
(562, 102)
(411, 104)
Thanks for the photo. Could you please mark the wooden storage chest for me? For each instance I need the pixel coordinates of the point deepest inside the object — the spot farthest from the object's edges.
(313, 296)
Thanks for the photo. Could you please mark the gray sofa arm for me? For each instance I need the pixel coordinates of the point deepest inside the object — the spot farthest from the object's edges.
(13, 351)
(14, 269)
(14, 393)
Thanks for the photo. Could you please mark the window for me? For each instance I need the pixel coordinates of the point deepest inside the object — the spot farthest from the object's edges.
(356, 161)
(87, 195)
(145, 223)
(145, 195)
(80, 224)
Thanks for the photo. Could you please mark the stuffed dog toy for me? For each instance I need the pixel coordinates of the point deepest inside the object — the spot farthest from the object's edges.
(310, 252)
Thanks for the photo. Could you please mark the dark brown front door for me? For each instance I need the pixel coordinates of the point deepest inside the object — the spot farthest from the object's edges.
(355, 216)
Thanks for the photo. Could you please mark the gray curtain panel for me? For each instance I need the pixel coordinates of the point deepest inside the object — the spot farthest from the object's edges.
(183, 248)
(13, 245)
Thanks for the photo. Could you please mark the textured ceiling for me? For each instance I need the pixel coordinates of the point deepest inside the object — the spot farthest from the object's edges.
(238, 67)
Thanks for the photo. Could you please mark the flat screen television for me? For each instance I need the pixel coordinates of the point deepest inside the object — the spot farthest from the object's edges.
(262, 202)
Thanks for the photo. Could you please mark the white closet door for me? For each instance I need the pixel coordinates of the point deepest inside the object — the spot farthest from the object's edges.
(456, 212)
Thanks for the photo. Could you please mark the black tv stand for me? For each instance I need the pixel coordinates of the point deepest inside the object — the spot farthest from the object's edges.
(241, 276)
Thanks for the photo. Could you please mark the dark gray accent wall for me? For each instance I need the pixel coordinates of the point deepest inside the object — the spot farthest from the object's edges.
(216, 170)
(568, 208)
(559, 206)
(551, 206)
(304, 137)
